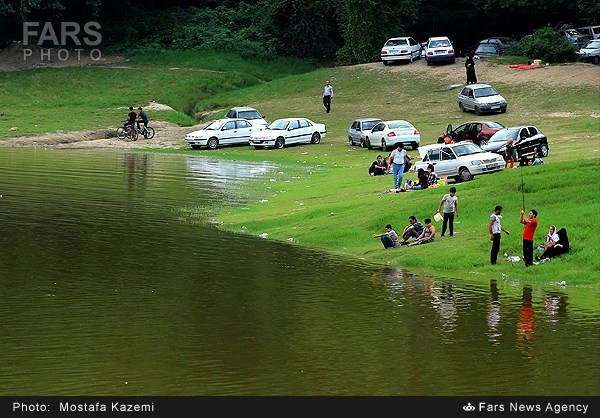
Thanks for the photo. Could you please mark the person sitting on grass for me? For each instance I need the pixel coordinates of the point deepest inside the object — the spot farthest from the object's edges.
(537, 159)
(432, 178)
(389, 238)
(413, 230)
(379, 167)
(423, 180)
(426, 236)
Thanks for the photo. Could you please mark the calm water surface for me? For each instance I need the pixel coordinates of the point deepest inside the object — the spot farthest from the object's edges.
(113, 282)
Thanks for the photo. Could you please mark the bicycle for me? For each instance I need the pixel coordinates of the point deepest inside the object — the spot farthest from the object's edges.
(147, 131)
(131, 133)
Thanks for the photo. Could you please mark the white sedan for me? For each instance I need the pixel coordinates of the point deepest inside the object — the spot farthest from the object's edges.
(223, 132)
(460, 161)
(387, 134)
(288, 131)
(400, 49)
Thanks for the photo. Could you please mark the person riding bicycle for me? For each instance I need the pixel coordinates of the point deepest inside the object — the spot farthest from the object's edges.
(142, 117)
(131, 117)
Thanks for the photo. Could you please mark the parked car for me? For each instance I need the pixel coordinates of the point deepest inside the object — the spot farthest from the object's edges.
(222, 132)
(439, 49)
(590, 52)
(593, 31)
(287, 131)
(527, 140)
(400, 49)
(249, 113)
(478, 132)
(358, 130)
(481, 98)
(460, 161)
(574, 37)
(387, 134)
(502, 42)
(486, 51)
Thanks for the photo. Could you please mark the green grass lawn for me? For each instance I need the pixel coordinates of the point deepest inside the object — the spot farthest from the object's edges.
(321, 195)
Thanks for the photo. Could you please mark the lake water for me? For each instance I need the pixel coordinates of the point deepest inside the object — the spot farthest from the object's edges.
(113, 282)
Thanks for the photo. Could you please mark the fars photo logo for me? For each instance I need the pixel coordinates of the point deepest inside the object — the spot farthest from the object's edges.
(53, 40)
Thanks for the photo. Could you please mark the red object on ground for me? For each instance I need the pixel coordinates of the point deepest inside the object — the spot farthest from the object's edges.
(525, 66)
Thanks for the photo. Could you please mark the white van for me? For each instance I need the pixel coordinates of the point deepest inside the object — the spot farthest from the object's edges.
(593, 31)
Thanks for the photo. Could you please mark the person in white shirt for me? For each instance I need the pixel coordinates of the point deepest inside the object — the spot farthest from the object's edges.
(327, 96)
(495, 233)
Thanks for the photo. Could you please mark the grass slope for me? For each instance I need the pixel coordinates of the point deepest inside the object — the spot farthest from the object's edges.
(321, 195)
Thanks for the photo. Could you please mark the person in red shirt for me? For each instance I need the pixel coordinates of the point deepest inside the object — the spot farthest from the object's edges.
(531, 224)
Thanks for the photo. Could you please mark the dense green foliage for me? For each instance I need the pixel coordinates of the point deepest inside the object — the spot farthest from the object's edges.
(350, 31)
(545, 44)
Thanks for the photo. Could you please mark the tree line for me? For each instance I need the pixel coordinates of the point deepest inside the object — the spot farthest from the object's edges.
(344, 31)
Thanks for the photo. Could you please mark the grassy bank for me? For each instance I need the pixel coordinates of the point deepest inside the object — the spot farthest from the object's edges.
(86, 98)
(321, 196)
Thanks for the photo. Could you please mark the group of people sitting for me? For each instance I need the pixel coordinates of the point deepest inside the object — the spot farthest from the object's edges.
(509, 157)
(415, 233)
(425, 179)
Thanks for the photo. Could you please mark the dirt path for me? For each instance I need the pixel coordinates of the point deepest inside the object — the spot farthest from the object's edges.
(574, 75)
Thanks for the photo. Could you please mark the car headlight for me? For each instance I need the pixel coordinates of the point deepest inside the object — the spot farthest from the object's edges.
(476, 162)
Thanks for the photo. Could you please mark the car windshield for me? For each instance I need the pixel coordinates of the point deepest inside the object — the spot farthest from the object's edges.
(467, 149)
(216, 125)
(485, 92)
(249, 114)
(505, 135)
(485, 48)
(396, 42)
(572, 32)
(439, 43)
(593, 45)
(369, 124)
(279, 125)
(398, 125)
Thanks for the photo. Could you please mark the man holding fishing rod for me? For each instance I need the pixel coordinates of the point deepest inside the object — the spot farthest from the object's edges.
(531, 224)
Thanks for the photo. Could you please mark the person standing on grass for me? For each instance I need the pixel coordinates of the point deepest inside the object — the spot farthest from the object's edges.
(495, 233)
(531, 224)
(398, 158)
(470, 66)
(389, 238)
(327, 96)
(450, 202)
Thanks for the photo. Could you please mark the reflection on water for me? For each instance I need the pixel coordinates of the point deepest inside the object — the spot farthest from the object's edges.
(104, 282)
(493, 317)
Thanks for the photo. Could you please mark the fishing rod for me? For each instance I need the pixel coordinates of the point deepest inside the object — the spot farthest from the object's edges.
(522, 188)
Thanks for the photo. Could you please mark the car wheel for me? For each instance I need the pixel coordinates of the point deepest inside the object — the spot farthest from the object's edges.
(369, 146)
(316, 138)
(384, 62)
(428, 62)
(279, 143)
(464, 174)
(213, 143)
(503, 110)
(482, 142)
(461, 107)
(383, 145)
(414, 145)
(596, 60)
(477, 111)
(362, 143)
(350, 141)
(544, 150)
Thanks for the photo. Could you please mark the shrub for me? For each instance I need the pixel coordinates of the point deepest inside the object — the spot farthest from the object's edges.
(545, 44)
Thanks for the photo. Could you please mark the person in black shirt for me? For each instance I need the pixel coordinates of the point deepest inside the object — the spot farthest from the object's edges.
(379, 167)
(131, 117)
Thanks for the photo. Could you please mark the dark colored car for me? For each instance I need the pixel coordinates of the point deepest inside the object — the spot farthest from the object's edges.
(486, 51)
(502, 42)
(527, 140)
(478, 132)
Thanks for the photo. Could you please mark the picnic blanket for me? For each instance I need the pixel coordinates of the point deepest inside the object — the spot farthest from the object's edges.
(525, 66)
